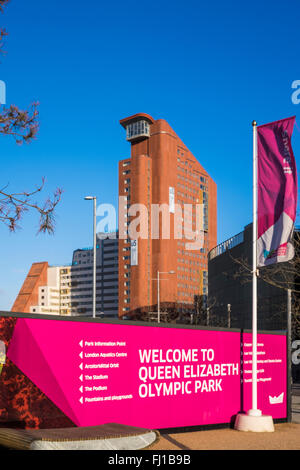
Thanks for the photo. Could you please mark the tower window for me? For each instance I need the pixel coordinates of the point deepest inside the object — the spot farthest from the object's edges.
(137, 129)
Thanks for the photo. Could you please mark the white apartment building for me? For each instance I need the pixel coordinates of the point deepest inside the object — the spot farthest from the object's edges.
(69, 288)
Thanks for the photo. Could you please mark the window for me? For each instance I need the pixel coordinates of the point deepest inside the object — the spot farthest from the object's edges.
(137, 129)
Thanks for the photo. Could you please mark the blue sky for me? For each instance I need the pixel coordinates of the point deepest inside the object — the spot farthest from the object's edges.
(208, 68)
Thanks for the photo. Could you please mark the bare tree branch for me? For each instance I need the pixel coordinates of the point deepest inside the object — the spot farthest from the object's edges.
(3, 33)
(23, 127)
(2, 4)
(13, 206)
(281, 275)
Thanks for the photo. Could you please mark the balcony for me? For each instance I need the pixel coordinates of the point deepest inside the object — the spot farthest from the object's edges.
(137, 130)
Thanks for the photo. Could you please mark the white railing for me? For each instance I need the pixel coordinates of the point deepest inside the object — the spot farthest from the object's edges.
(227, 245)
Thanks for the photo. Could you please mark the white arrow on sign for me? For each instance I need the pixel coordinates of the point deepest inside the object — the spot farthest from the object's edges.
(81, 377)
(81, 400)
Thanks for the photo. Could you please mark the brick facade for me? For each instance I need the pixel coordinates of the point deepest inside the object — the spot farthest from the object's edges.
(160, 161)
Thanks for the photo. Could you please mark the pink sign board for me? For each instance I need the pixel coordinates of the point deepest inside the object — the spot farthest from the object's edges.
(147, 376)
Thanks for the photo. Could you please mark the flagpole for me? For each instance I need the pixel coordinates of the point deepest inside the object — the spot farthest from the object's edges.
(254, 420)
(254, 411)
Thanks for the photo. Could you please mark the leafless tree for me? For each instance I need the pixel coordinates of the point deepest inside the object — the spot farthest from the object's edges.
(23, 126)
(2, 31)
(176, 312)
(284, 276)
(13, 206)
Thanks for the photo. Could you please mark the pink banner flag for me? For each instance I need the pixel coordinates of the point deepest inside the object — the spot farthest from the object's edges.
(277, 192)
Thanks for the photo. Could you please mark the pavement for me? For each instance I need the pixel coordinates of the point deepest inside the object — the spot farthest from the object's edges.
(285, 437)
(296, 404)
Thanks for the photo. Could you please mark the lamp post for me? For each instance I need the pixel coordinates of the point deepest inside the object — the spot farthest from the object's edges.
(158, 292)
(93, 198)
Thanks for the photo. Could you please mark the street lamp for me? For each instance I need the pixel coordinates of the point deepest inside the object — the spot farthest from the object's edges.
(93, 198)
(158, 293)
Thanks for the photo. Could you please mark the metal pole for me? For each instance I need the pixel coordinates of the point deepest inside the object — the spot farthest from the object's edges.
(207, 316)
(254, 411)
(94, 260)
(289, 358)
(254, 420)
(229, 316)
(158, 290)
(158, 299)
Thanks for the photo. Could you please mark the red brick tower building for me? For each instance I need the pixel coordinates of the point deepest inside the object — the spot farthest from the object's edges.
(161, 170)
